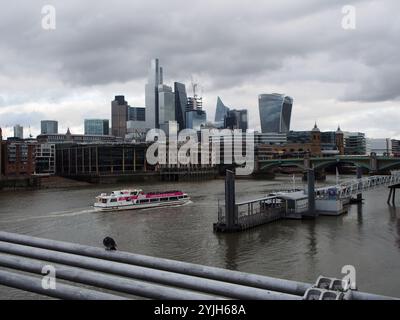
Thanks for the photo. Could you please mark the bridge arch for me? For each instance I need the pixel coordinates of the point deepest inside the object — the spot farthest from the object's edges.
(325, 164)
(282, 164)
(390, 166)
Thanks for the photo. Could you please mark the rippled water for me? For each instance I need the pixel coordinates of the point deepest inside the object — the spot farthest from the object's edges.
(368, 237)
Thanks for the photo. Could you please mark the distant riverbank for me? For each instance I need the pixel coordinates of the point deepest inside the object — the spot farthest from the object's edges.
(40, 182)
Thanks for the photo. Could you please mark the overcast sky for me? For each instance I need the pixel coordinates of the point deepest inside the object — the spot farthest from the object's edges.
(234, 49)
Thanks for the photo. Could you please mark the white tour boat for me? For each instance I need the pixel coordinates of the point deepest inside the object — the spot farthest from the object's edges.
(137, 199)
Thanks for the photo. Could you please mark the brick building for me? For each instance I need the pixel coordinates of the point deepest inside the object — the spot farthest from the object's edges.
(17, 157)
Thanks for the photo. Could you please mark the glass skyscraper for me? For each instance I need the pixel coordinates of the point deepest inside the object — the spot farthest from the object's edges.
(166, 104)
(221, 111)
(275, 112)
(180, 104)
(48, 127)
(136, 114)
(236, 119)
(98, 127)
(155, 78)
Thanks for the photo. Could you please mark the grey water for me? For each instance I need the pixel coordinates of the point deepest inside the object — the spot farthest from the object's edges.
(367, 237)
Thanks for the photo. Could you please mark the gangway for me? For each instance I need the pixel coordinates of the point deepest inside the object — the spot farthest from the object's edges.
(350, 188)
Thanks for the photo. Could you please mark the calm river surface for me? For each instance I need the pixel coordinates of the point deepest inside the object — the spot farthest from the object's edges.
(368, 237)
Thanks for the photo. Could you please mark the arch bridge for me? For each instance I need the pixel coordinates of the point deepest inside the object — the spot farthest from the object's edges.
(371, 163)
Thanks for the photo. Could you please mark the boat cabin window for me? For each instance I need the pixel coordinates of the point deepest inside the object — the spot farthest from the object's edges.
(154, 199)
(173, 198)
(185, 196)
(113, 200)
(163, 199)
(144, 201)
(103, 200)
(134, 193)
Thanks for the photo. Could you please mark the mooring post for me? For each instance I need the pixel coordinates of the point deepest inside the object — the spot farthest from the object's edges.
(311, 192)
(359, 176)
(393, 195)
(390, 194)
(230, 199)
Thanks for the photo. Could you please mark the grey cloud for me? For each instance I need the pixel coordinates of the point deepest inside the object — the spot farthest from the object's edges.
(226, 44)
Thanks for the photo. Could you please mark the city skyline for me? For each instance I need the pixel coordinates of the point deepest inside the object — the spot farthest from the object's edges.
(336, 76)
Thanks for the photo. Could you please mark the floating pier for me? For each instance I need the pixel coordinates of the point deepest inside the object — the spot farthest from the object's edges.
(122, 275)
(310, 203)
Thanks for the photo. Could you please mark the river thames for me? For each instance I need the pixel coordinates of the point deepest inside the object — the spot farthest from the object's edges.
(367, 237)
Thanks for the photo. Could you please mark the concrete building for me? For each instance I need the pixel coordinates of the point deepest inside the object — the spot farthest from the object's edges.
(137, 126)
(48, 127)
(331, 142)
(270, 138)
(395, 147)
(355, 143)
(78, 138)
(45, 158)
(18, 131)
(119, 116)
(99, 127)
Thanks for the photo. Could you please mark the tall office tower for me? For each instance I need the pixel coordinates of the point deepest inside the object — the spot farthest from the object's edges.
(166, 104)
(155, 78)
(221, 111)
(48, 127)
(180, 104)
(119, 116)
(236, 119)
(18, 131)
(99, 127)
(275, 112)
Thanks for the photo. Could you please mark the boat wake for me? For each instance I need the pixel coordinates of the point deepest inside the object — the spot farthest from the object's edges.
(153, 208)
(56, 214)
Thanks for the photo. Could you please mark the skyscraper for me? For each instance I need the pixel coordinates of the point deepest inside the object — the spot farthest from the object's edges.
(136, 114)
(98, 127)
(275, 112)
(119, 116)
(236, 119)
(166, 104)
(221, 111)
(155, 78)
(18, 131)
(48, 127)
(180, 104)
(195, 119)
